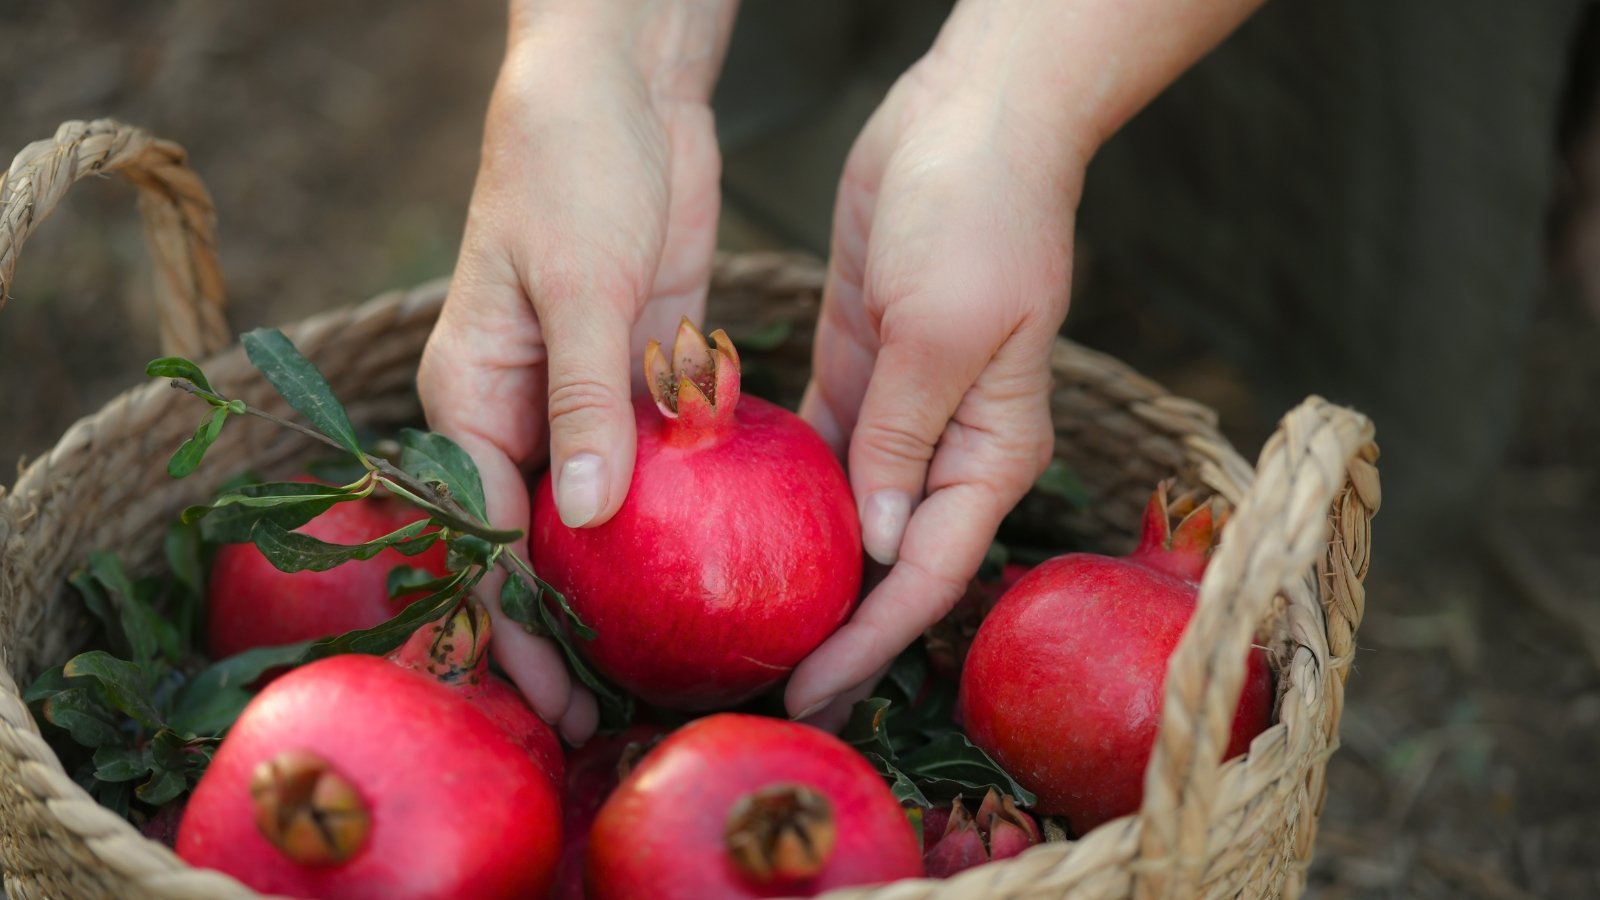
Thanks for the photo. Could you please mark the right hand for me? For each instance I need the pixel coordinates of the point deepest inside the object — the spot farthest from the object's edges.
(592, 228)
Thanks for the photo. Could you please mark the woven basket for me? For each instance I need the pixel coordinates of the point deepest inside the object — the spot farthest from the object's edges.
(1288, 574)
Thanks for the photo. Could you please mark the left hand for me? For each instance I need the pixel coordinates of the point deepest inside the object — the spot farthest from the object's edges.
(948, 281)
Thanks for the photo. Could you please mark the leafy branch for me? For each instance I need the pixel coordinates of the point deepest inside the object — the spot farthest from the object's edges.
(433, 473)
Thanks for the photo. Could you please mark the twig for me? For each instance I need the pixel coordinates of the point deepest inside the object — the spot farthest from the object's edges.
(388, 470)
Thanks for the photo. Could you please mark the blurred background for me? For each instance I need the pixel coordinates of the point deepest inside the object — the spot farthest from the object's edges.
(1392, 203)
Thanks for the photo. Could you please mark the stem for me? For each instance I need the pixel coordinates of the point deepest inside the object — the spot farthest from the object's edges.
(468, 523)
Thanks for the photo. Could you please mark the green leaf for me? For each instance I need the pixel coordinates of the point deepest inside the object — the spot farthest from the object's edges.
(1060, 481)
(211, 701)
(188, 455)
(300, 384)
(569, 614)
(865, 730)
(468, 550)
(770, 337)
(293, 551)
(49, 683)
(383, 638)
(185, 554)
(907, 674)
(162, 788)
(951, 765)
(616, 707)
(517, 601)
(903, 788)
(178, 367)
(122, 684)
(148, 634)
(289, 504)
(84, 716)
(100, 605)
(115, 796)
(405, 580)
(120, 763)
(435, 459)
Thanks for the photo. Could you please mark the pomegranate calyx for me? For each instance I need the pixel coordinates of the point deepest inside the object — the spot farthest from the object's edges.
(699, 386)
(781, 833)
(309, 811)
(1186, 550)
(1006, 829)
(454, 649)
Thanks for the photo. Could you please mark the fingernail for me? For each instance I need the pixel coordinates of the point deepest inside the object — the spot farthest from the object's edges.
(813, 709)
(883, 523)
(579, 491)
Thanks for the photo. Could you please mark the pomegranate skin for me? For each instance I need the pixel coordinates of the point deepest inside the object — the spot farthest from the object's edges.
(252, 604)
(736, 552)
(592, 774)
(661, 834)
(457, 809)
(1063, 683)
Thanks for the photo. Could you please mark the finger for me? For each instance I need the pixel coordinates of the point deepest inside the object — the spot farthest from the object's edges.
(919, 379)
(835, 712)
(582, 718)
(846, 338)
(929, 578)
(589, 400)
(977, 477)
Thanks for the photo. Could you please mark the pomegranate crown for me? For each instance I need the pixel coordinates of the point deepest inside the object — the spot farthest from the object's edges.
(699, 386)
(1185, 550)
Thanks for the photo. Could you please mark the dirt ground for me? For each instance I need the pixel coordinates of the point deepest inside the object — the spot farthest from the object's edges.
(340, 143)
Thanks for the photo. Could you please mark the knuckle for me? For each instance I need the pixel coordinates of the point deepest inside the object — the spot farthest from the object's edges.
(575, 399)
(897, 440)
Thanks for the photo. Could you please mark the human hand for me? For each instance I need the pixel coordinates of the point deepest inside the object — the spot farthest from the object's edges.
(592, 227)
(948, 281)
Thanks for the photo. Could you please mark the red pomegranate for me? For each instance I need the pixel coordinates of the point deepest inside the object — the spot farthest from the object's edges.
(736, 553)
(593, 772)
(353, 777)
(455, 652)
(738, 806)
(955, 840)
(1063, 684)
(252, 604)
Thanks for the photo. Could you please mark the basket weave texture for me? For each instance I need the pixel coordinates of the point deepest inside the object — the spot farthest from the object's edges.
(1288, 574)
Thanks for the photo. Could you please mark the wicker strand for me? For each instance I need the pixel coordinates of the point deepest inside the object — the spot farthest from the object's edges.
(1276, 537)
(180, 222)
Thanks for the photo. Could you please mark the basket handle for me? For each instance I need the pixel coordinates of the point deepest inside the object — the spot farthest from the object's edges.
(1315, 474)
(180, 221)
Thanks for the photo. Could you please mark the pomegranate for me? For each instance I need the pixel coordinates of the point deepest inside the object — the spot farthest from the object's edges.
(252, 604)
(353, 777)
(1063, 684)
(593, 772)
(736, 553)
(455, 651)
(956, 840)
(737, 806)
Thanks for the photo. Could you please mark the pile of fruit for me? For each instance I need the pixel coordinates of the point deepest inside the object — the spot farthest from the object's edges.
(306, 700)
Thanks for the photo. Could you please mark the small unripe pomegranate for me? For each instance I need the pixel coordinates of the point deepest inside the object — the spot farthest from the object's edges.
(736, 552)
(738, 806)
(252, 604)
(955, 840)
(353, 777)
(1063, 683)
(455, 652)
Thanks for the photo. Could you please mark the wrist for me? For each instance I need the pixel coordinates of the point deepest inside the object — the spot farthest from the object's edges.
(1076, 70)
(674, 47)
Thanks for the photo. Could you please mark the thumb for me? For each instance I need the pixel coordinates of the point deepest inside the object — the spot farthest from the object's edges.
(590, 404)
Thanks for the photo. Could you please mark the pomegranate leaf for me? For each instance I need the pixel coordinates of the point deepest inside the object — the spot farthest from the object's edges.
(293, 551)
(120, 683)
(188, 455)
(120, 763)
(144, 632)
(289, 504)
(867, 729)
(380, 639)
(435, 459)
(522, 606)
(163, 787)
(951, 765)
(301, 385)
(84, 716)
(208, 703)
(1062, 483)
(405, 580)
(178, 367)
